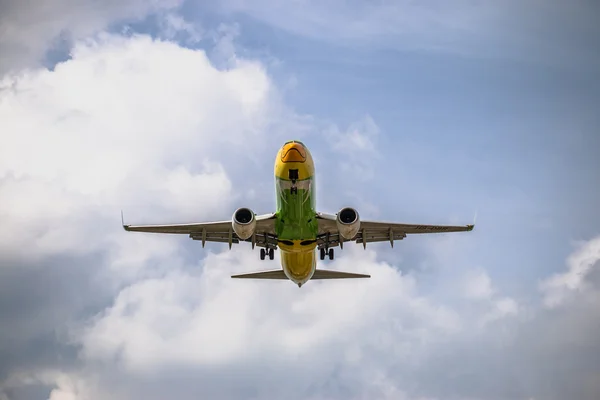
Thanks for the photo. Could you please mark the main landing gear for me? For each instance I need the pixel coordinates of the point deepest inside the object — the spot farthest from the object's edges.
(263, 254)
(325, 252)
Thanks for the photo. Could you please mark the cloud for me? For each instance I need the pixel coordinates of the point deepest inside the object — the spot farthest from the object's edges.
(478, 285)
(489, 305)
(109, 145)
(507, 29)
(199, 321)
(191, 327)
(358, 20)
(131, 123)
(358, 139)
(91, 312)
(500, 308)
(357, 146)
(559, 288)
(173, 25)
(208, 319)
(26, 32)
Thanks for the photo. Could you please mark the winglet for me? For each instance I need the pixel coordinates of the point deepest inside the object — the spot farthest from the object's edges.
(123, 222)
(474, 221)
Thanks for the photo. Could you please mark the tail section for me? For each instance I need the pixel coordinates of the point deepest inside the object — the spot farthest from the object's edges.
(272, 274)
(328, 274)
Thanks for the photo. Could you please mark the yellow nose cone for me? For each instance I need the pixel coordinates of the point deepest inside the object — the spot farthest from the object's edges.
(293, 152)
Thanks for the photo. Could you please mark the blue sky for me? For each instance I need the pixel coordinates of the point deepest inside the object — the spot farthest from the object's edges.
(419, 113)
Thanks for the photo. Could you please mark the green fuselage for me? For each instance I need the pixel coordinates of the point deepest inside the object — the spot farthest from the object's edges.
(296, 210)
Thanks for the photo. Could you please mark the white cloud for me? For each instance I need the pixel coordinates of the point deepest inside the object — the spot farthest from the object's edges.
(207, 317)
(89, 138)
(174, 25)
(129, 123)
(558, 288)
(126, 123)
(358, 21)
(500, 308)
(224, 51)
(65, 386)
(478, 285)
(27, 31)
(493, 29)
(490, 305)
(357, 146)
(359, 139)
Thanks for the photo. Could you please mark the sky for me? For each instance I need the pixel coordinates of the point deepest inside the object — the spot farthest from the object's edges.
(173, 111)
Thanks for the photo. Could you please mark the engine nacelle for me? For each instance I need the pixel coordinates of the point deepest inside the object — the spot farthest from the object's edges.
(243, 223)
(348, 222)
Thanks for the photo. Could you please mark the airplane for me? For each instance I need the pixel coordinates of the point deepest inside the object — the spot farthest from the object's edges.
(296, 227)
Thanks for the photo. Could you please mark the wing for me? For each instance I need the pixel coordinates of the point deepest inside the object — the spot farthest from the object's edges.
(218, 231)
(374, 231)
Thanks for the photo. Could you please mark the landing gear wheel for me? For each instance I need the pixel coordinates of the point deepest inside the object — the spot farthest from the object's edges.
(262, 254)
(271, 254)
(322, 253)
(331, 254)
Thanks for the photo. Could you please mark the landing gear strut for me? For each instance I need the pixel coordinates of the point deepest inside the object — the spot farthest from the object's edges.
(326, 253)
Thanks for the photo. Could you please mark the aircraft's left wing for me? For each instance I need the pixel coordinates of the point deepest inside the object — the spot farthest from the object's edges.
(375, 231)
(218, 231)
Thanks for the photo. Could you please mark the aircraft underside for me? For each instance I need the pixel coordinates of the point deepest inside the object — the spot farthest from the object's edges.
(296, 228)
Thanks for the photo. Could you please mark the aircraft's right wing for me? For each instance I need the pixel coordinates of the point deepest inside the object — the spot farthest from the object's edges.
(218, 231)
(375, 231)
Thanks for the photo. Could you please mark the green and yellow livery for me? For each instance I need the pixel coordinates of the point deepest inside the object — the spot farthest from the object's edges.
(296, 228)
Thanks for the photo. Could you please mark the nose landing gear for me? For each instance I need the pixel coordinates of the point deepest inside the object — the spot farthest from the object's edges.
(293, 176)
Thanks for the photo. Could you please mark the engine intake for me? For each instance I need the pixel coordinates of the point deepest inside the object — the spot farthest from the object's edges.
(243, 223)
(348, 222)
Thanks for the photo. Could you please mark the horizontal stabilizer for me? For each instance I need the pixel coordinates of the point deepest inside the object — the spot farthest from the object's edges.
(327, 274)
(273, 274)
(319, 274)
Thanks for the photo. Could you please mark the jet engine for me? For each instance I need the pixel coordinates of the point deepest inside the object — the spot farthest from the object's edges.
(243, 223)
(348, 222)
